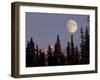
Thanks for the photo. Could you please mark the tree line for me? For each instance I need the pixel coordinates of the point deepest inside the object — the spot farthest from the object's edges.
(74, 55)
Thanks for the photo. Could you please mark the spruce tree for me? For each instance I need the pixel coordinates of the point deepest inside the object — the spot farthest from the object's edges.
(30, 53)
(86, 45)
(50, 56)
(76, 54)
(82, 46)
(37, 55)
(72, 51)
(57, 52)
(68, 50)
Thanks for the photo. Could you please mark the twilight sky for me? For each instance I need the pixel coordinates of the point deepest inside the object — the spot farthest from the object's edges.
(44, 27)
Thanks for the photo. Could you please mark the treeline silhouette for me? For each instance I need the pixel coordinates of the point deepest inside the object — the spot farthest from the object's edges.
(36, 57)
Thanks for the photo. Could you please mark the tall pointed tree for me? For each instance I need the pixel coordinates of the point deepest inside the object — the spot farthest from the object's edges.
(57, 52)
(82, 46)
(30, 52)
(86, 42)
(86, 45)
(72, 50)
(37, 55)
(68, 50)
(50, 56)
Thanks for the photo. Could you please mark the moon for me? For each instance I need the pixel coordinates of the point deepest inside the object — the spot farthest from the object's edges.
(71, 26)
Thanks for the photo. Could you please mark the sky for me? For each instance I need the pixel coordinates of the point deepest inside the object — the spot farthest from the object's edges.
(44, 28)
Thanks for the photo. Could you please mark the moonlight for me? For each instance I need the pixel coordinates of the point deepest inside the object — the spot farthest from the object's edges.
(71, 26)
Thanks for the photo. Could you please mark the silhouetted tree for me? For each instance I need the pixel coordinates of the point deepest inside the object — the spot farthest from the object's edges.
(86, 45)
(57, 52)
(76, 54)
(50, 56)
(72, 51)
(42, 58)
(62, 59)
(30, 53)
(37, 55)
(28, 56)
(82, 46)
(86, 42)
(68, 50)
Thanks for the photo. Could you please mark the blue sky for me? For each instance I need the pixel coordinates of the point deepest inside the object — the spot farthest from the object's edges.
(44, 27)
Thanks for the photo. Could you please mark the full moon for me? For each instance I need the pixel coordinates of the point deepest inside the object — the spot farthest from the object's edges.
(71, 26)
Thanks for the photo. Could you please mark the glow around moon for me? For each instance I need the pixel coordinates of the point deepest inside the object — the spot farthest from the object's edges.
(72, 26)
